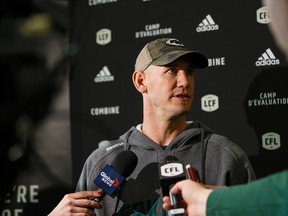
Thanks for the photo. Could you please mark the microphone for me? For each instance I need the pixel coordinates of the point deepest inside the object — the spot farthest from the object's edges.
(170, 172)
(112, 178)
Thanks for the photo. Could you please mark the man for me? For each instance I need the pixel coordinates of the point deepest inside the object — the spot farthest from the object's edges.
(266, 196)
(164, 75)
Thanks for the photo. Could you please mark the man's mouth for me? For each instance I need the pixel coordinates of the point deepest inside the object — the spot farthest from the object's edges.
(182, 96)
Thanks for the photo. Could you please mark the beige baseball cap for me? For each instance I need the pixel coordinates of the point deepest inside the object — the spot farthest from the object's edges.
(166, 50)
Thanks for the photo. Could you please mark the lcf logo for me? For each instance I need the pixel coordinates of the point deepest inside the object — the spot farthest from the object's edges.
(103, 36)
(209, 103)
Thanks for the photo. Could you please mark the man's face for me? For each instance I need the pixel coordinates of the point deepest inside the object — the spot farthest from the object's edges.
(170, 88)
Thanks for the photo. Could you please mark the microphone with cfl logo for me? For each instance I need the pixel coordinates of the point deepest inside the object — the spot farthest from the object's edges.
(170, 172)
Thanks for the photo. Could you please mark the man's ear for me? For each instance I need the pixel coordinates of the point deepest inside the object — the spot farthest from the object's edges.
(138, 78)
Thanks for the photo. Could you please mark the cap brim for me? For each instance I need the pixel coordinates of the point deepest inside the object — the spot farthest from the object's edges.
(198, 60)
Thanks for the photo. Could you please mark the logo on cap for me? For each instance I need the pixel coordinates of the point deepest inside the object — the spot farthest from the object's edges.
(174, 42)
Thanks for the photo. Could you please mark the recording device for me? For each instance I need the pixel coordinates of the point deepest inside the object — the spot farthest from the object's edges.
(170, 172)
(113, 177)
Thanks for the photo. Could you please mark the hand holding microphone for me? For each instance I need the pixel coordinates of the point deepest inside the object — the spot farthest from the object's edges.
(84, 202)
(187, 195)
(172, 171)
(194, 196)
(76, 204)
(113, 177)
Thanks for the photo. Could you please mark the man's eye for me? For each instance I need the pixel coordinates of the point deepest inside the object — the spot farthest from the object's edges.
(172, 70)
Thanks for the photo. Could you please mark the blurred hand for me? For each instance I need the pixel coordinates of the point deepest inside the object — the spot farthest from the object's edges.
(194, 195)
(78, 203)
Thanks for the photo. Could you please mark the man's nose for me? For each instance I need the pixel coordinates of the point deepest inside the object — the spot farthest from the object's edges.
(183, 78)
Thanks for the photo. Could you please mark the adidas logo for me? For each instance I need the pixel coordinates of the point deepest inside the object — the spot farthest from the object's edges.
(104, 76)
(267, 58)
(207, 24)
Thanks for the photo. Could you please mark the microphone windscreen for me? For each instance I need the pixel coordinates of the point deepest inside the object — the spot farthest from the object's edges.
(125, 163)
(170, 172)
(170, 158)
(112, 178)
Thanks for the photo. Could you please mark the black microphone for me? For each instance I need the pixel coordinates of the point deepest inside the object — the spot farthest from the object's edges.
(112, 178)
(170, 172)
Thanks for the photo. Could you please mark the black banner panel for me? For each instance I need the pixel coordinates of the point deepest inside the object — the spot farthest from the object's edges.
(242, 94)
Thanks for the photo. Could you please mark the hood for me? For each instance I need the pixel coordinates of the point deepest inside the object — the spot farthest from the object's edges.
(194, 129)
(195, 133)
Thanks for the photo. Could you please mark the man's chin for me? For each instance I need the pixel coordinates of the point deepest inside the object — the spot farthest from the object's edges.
(185, 106)
(183, 111)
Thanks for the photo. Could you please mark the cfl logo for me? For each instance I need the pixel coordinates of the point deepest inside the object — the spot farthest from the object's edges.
(172, 169)
(103, 36)
(263, 16)
(271, 141)
(209, 103)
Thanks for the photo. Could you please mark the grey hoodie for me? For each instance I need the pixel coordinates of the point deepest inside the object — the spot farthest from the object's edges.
(217, 159)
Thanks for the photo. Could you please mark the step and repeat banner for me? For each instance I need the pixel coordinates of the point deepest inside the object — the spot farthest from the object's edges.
(242, 94)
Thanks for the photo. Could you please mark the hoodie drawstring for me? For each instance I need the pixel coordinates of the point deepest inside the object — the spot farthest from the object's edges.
(203, 158)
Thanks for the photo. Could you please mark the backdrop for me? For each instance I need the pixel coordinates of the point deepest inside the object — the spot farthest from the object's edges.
(242, 94)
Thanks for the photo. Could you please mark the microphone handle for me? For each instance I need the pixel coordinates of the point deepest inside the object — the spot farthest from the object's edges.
(176, 203)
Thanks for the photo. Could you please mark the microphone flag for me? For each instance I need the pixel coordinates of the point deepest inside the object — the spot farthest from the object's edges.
(170, 172)
(109, 181)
